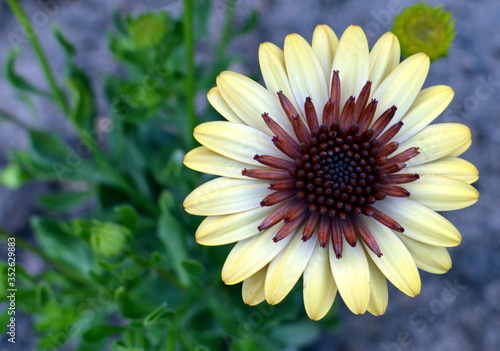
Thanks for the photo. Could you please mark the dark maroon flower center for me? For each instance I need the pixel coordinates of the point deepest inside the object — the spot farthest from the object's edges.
(335, 171)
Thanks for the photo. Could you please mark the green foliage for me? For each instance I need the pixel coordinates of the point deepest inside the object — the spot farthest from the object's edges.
(123, 271)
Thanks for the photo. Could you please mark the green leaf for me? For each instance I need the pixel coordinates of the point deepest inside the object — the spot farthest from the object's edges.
(4, 320)
(63, 201)
(43, 294)
(61, 246)
(161, 312)
(100, 332)
(128, 308)
(193, 267)
(82, 110)
(128, 216)
(170, 233)
(66, 45)
(18, 81)
(47, 147)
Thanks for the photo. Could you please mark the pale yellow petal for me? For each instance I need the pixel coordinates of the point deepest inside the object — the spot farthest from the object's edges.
(304, 72)
(249, 100)
(286, 268)
(452, 167)
(430, 258)
(215, 98)
(420, 222)
(225, 229)
(204, 160)
(396, 262)
(319, 285)
(324, 44)
(429, 104)
(401, 86)
(236, 141)
(253, 288)
(272, 67)
(379, 295)
(436, 141)
(441, 193)
(352, 276)
(225, 195)
(352, 62)
(249, 256)
(459, 151)
(384, 58)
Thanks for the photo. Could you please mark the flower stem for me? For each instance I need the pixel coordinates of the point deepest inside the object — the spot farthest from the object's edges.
(190, 72)
(30, 33)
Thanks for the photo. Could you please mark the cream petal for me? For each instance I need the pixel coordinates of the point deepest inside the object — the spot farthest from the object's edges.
(286, 268)
(204, 160)
(304, 72)
(272, 67)
(452, 167)
(441, 193)
(352, 276)
(217, 101)
(352, 62)
(396, 262)
(225, 195)
(430, 258)
(253, 288)
(319, 286)
(420, 223)
(225, 229)
(429, 104)
(461, 149)
(236, 141)
(379, 295)
(249, 100)
(384, 58)
(324, 45)
(436, 141)
(402, 85)
(249, 256)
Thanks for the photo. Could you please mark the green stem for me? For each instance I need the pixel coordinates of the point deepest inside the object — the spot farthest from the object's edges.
(30, 33)
(68, 272)
(190, 72)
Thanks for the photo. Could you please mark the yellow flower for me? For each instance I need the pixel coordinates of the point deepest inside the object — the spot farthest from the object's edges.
(331, 173)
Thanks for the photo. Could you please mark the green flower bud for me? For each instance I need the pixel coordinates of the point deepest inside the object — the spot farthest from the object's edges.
(148, 30)
(424, 28)
(108, 239)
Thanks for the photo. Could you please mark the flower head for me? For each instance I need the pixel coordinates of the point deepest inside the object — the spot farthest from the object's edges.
(331, 173)
(425, 28)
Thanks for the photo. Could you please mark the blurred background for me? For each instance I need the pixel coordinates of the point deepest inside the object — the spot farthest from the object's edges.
(457, 311)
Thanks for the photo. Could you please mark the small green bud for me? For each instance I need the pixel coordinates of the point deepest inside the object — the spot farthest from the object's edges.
(424, 28)
(13, 176)
(148, 30)
(108, 239)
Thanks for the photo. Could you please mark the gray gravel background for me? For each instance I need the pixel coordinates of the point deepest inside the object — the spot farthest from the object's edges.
(457, 311)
